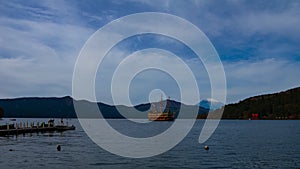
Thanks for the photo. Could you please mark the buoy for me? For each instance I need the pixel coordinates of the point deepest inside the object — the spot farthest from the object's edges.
(58, 147)
(206, 148)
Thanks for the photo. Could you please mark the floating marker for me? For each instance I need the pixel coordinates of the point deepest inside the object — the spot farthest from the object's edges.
(58, 147)
(206, 148)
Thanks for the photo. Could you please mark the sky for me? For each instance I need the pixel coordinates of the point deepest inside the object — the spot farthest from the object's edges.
(257, 42)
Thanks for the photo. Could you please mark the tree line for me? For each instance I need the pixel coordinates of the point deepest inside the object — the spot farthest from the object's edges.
(283, 105)
(1, 112)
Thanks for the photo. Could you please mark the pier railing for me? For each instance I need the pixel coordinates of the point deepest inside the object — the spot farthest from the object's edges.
(23, 128)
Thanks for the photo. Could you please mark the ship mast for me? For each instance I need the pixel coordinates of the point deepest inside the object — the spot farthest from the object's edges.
(168, 102)
(161, 104)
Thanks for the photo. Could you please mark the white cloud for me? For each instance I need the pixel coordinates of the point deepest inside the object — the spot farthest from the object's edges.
(248, 78)
(39, 44)
(37, 57)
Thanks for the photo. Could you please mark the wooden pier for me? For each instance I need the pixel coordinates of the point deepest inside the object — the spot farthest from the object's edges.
(23, 128)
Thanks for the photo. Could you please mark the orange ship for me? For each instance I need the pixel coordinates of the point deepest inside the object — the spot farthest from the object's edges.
(155, 115)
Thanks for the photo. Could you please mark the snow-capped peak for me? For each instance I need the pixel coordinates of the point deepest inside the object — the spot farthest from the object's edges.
(212, 100)
(211, 104)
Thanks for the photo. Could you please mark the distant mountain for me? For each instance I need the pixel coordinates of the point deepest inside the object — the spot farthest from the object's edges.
(211, 104)
(38, 107)
(283, 105)
(52, 107)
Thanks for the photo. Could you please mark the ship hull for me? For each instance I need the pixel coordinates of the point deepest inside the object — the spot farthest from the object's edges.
(157, 117)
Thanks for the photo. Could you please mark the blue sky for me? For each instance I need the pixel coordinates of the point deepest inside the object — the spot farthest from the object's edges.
(257, 41)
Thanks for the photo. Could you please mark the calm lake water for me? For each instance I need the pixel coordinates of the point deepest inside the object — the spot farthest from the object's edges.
(235, 144)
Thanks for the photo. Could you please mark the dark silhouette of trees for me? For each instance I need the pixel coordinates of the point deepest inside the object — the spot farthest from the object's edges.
(1, 112)
(283, 105)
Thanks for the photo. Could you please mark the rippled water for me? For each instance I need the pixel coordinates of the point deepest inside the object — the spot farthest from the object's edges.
(235, 144)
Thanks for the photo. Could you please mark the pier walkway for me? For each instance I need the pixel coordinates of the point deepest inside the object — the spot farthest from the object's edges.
(23, 128)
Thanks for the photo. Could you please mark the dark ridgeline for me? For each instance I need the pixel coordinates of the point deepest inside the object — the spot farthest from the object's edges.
(37, 107)
(282, 105)
(53, 107)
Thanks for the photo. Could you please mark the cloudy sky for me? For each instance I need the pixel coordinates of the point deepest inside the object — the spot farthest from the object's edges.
(257, 41)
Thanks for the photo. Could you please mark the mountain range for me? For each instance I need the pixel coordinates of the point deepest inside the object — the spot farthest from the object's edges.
(53, 107)
(282, 105)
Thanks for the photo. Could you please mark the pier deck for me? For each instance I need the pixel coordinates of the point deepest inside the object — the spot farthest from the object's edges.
(34, 130)
(12, 129)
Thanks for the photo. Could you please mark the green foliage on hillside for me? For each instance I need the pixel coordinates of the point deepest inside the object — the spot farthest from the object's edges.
(283, 105)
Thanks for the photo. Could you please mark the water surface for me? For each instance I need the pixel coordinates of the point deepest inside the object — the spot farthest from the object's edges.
(235, 144)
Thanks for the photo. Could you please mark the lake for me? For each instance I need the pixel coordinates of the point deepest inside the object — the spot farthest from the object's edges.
(235, 144)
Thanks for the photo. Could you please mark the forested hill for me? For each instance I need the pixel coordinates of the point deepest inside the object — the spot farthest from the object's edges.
(283, 105)
(1, 112)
